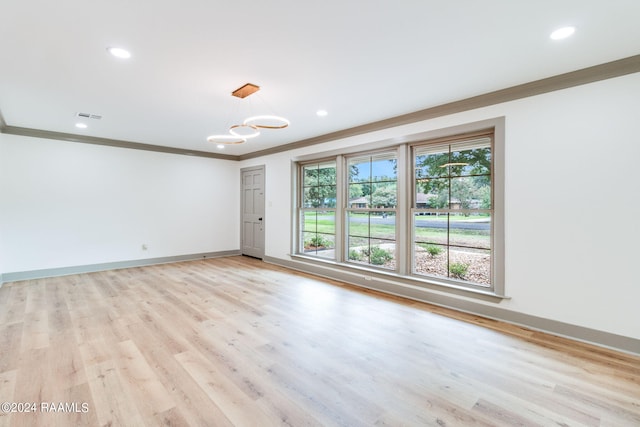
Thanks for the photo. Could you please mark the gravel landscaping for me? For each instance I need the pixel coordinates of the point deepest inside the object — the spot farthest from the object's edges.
(479, 264)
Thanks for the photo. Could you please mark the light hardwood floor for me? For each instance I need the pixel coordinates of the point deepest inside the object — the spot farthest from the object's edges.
(234, 341)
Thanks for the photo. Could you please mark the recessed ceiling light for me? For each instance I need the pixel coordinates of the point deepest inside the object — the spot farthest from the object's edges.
(321, 113)
(220, 146)
(81, 125)
(562, 33)
(118, 52)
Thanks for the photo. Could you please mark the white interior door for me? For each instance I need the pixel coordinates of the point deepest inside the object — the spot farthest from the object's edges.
(253, 212)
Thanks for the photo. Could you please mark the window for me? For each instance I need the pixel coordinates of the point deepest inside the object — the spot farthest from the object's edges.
(424, 211)
(317, 212)
(451, 215)
(371, 210)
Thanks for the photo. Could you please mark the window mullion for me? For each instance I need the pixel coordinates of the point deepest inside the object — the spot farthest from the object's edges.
(339, 212)
(403, 210)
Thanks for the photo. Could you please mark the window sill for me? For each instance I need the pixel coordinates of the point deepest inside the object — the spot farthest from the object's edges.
(368, 277)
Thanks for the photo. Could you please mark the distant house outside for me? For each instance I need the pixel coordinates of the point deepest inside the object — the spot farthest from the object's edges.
(423, 202)
(360, 202)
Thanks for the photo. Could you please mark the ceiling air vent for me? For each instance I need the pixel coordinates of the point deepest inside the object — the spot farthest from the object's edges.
(89, 116)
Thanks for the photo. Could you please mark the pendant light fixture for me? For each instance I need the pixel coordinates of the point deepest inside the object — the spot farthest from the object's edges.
(267, 122)
(250, 127)
(228, 139)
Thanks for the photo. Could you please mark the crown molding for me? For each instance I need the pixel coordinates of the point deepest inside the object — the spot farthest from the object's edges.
(593, 74)
(583, 76)
(70, 137)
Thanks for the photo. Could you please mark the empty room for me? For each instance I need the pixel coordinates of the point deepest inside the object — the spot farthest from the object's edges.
(363, 213)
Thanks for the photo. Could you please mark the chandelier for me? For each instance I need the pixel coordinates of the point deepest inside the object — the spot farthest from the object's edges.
(251, 126)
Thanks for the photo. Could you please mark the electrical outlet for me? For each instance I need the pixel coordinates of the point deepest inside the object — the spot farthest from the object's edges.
(367, 277)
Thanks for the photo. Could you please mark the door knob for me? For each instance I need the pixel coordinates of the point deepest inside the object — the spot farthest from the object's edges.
(260, 219)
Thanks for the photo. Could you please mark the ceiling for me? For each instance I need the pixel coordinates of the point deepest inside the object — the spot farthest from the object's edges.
(361, 60)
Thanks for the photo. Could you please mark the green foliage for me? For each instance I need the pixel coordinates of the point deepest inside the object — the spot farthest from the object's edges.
(433, 250)
(440, 201)
(316, 242)
(464, 176)
(385, 197)
(485, 197)
(376, 255)
(353, 173)
(463, 191)
(355, 190)
(320, 185)
(379, 256)
(458, 270)
(477, 161)
(355, 255)
(319, 174)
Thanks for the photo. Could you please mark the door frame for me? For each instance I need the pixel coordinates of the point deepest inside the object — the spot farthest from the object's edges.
(264, 180)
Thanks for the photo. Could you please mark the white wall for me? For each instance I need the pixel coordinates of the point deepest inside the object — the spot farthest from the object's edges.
(571, 214)
(68, 204)
(572, 202)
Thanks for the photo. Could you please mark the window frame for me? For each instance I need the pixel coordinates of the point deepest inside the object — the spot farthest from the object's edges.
(449, 142)
(301, 209)
(403, 274)
(346, 208)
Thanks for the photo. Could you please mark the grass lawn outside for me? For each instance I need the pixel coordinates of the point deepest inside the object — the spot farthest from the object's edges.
(325, 224)
(362, 234)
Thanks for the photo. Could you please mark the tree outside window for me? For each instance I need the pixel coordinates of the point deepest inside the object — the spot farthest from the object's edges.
(371, 211)
(452, 230)
(317, 213)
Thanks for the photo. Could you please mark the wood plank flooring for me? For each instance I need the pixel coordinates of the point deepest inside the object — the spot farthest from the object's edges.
(237, 342)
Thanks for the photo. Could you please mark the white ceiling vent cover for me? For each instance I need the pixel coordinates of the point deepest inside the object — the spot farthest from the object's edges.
(89, 116)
